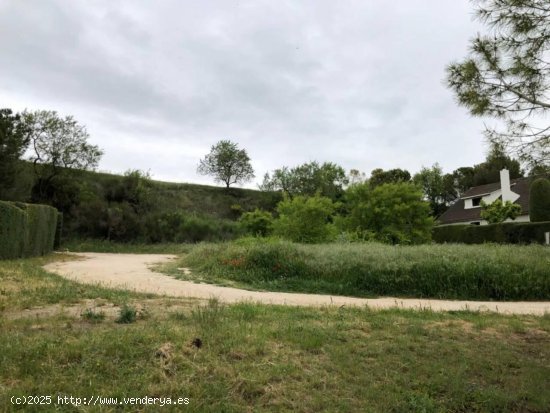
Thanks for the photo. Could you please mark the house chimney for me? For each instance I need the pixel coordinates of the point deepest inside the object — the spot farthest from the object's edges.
(507, 194)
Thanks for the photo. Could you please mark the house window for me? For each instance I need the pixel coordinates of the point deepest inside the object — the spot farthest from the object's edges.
(476, 201)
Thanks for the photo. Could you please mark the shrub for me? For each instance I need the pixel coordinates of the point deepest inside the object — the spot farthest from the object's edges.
(504, 233)
(181, 227)
(127, 315)
(257, 222)
(304, 219)
(539, 200)
(394, 212)
(26, 229)
(499, 211)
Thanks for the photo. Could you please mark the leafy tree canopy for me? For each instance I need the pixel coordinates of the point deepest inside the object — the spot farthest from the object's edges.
(438, 188)
(380, 177)
(227, 163)
(13, 143)
(308, 179)
(507, 75)
(489, 171)
(305, 219)
(58, 143)
(394, 213)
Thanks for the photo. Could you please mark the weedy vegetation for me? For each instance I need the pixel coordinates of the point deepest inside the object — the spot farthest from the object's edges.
(452, 271)
(93, 316)
(249, 357)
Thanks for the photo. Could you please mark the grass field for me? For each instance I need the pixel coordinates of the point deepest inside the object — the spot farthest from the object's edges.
(260, 358)
(471, 272)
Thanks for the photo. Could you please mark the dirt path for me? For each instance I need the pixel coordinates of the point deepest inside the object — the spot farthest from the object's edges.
(131, 272)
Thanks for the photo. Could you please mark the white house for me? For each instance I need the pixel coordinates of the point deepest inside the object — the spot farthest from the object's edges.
(467, 209)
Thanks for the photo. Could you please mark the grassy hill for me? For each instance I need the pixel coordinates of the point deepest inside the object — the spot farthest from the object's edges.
(131, 207)
(206, 200)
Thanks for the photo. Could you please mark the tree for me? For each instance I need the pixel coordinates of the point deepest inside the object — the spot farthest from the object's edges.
(507, 75)
(58, 144)
(380, 177)
(394, 212)
(461, 179)
(540, 170)
(437, 188)
(499, 211)
(308, 179)
(305, 219)
(227, 163)
(282, 179)
(13, 143)
(489, 171)
(356, 177)
(539, 200)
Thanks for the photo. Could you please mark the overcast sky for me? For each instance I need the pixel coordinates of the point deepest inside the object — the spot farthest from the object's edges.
(157, 83)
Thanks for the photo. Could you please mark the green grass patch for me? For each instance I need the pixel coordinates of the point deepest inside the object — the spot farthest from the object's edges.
(24, 284)
(248, 357)
(452, 271)
(266, 358)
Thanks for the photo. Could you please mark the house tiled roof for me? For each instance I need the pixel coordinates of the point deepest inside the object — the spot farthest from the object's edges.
(482, 189)
(457, 213)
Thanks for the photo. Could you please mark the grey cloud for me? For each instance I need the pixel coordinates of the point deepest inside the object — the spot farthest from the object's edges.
(358, 83)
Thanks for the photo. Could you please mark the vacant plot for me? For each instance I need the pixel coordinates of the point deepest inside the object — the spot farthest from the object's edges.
(133, 272)
(260, 358)
(469, 272)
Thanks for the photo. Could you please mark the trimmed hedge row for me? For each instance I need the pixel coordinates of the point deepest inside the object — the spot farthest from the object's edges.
(26, 230)
(505, 233)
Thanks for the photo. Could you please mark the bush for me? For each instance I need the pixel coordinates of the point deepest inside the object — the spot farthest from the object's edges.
(395, 213)
(181, 227)
(499, 211)
(304, 219)
(539, 200)
(26, 229)
(127, 315)
(257, 222)
(504, 233)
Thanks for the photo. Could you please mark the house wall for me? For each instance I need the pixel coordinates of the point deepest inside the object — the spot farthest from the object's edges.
(488, 199)
(521, 218)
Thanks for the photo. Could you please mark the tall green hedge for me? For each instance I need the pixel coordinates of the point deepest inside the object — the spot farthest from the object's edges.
(539, 200)
(58, 230)
(26, 230)
(505, 233)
